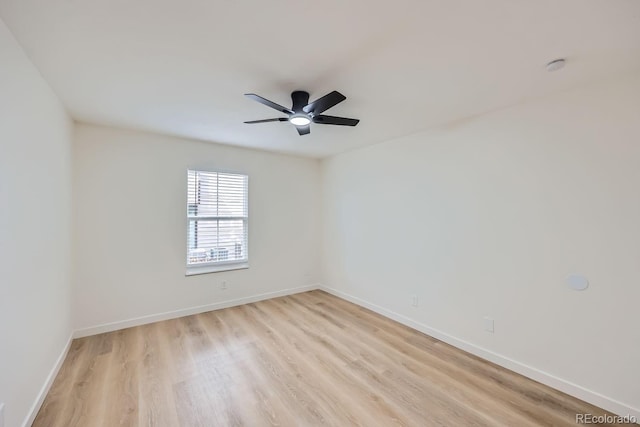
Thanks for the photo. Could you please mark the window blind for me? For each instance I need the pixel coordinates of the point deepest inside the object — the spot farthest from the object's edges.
(217, 215)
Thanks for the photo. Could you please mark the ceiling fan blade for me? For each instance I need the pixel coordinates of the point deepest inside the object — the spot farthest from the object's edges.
(324, 103)
(279, 119)
(332, 120)
(303, 130)
(268, 103)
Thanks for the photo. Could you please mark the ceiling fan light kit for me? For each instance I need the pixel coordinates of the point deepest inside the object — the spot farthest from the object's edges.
(302, 112)
(300, 120)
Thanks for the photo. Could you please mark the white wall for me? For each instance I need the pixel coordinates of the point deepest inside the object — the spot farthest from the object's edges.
(35, 230)
(130, 224)
(488, 216)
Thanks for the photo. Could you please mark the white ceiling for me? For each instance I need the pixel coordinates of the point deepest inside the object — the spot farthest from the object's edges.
(181, 67)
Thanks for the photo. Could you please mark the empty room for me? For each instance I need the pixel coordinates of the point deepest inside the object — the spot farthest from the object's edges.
(339, 213)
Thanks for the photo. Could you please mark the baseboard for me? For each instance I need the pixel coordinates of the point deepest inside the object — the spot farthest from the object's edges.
(552, 381)
(115, 326)
(47, 385)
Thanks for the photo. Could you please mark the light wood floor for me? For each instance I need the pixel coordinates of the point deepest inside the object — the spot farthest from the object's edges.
(302, 360)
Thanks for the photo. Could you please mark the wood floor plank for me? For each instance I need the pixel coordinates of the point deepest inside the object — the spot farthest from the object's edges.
(443, 376)
(303, 360)
(156, 406)
(406, 380)
(464, 367)
(286, 350)
(336, 359)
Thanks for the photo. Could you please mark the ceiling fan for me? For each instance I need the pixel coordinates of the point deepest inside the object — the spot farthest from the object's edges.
(303, 112)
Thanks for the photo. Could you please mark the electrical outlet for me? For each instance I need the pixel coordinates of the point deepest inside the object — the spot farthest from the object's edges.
(223, 285)
(488, 324)
(414, 300)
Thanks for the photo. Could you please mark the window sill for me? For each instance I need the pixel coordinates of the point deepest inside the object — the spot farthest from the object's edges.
(206, 269)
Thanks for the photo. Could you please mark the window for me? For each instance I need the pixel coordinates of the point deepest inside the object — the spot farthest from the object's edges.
(217, 216)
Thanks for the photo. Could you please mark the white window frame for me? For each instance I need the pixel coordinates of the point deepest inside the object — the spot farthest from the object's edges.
(218, 266)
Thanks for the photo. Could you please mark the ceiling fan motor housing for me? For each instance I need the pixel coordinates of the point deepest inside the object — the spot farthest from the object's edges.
(300, 99)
